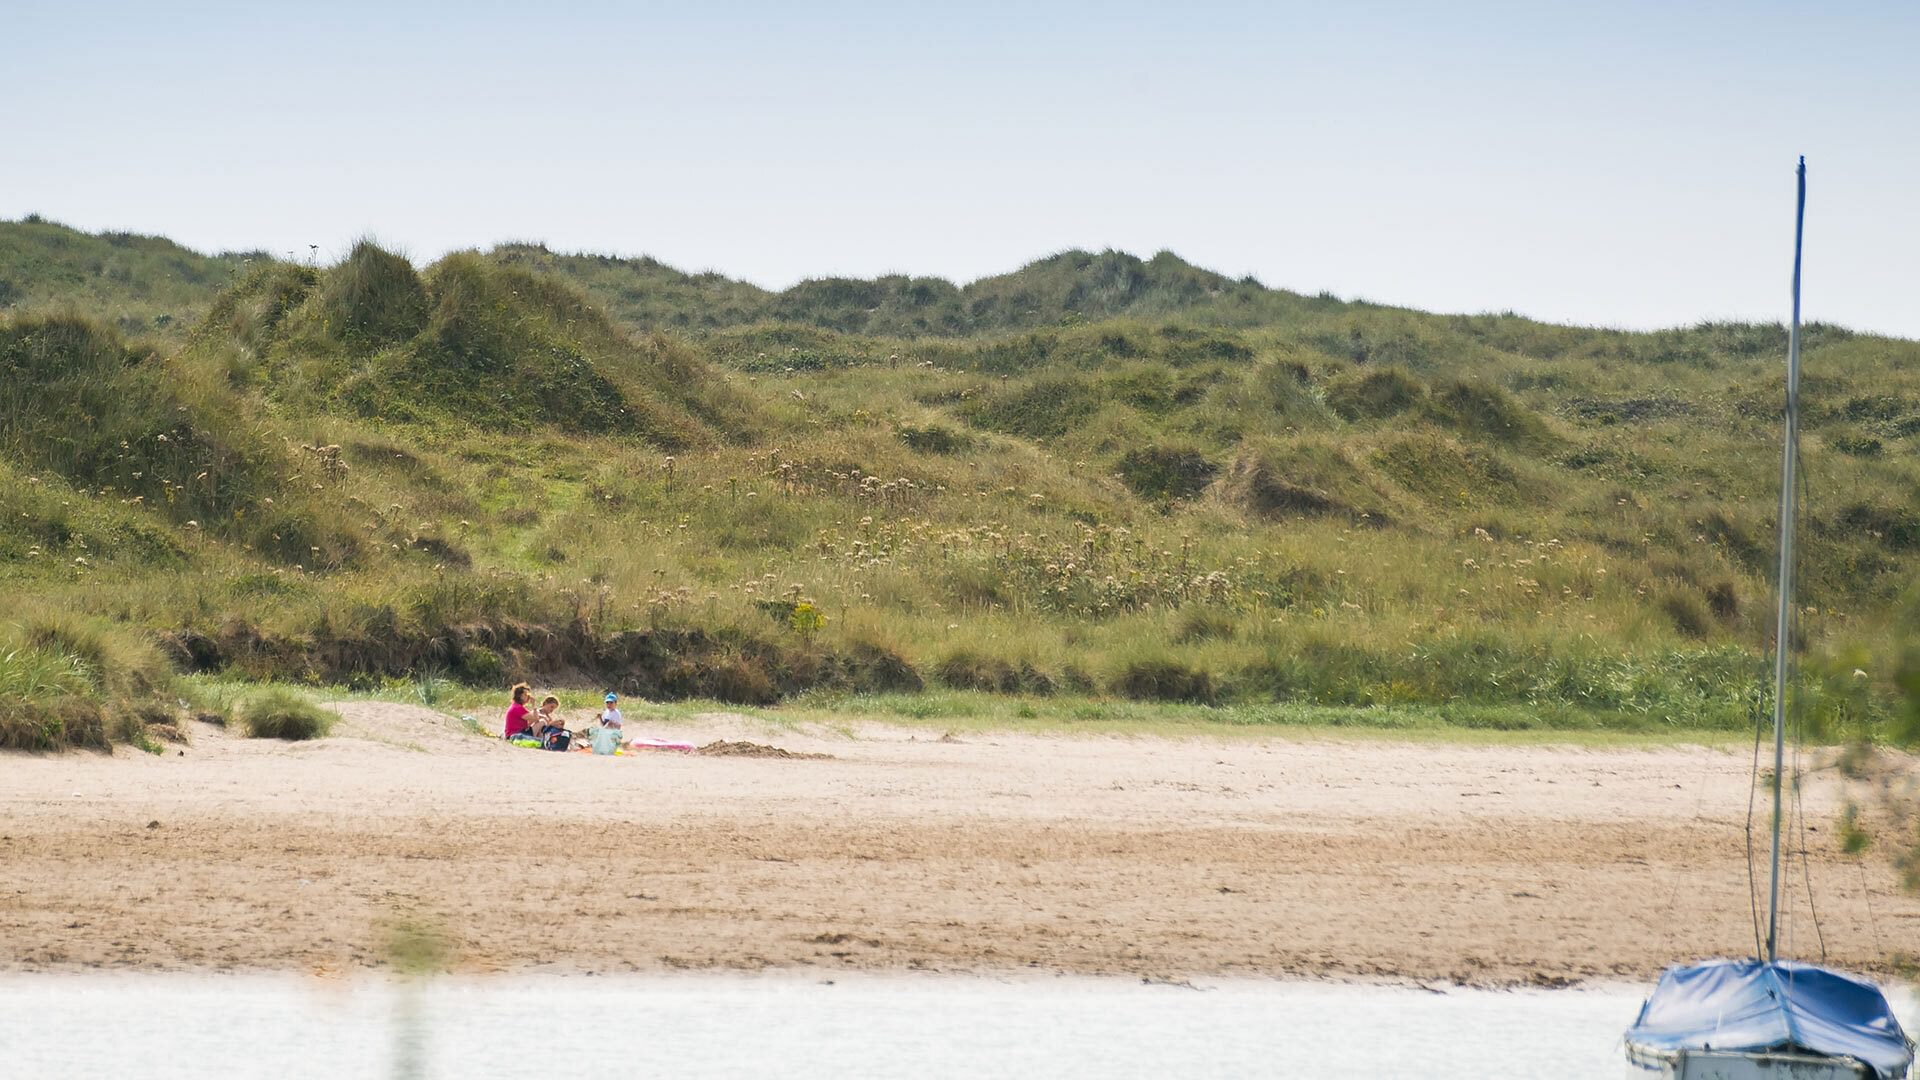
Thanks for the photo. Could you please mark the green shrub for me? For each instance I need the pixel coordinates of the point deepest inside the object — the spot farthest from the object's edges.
(72, 680)
(1687, 612)
(1374, 394)
(1166, 680)
(1166, 472)
(1308, 477)
(277, 712)
(1283, 396)
(1484, 410)
(733, 677)
(966, 669)
(1204, 624)
(935, 439)
(211, 702)
(806, 620)
(119, 663)
(1046, 408)
(481, 666)
(1895, 527)
(48, 700)
(1448, 473)
(1865, 446)
(374, 297)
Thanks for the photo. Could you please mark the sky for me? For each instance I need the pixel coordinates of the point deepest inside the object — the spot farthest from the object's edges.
(1621, 164)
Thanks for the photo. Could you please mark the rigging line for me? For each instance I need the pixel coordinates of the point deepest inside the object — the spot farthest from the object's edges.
(1784, 827)
(1753, 884)
(1866, 892)
(1806, 856)
(1760, 718)
(1797, 710)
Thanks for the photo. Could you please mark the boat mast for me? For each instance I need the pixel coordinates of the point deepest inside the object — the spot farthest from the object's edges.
(1782, 640)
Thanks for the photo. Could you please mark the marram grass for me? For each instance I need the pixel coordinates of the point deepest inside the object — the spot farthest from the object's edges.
(1097, 480)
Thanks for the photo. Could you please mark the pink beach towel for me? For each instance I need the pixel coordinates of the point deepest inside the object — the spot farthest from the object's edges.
(657, 744)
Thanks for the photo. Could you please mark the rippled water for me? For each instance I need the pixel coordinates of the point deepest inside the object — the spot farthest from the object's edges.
(715, 1025)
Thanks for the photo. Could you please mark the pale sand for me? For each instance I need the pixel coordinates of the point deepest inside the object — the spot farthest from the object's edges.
(1164, 858)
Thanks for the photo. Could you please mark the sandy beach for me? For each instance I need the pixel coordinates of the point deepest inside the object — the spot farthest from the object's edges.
(1165, 858)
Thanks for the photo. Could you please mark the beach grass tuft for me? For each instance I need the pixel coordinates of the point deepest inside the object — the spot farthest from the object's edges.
(278, 712)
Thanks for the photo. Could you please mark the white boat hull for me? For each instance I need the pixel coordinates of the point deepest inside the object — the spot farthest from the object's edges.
(1734, 1065)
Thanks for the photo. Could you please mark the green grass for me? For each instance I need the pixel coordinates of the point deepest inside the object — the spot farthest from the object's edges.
(74, 680)
(1115, 482)
(278, 712)
(984, 713)
(140, 285)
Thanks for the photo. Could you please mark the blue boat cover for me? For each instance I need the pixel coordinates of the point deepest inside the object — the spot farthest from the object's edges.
(1746, 1005)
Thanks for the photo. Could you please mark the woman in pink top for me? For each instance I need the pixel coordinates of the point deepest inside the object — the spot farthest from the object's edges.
(517, 713)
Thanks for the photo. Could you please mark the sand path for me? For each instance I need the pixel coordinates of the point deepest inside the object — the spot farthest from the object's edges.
(1166, 858)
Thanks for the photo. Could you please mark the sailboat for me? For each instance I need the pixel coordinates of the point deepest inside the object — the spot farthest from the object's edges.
(1768, 1017)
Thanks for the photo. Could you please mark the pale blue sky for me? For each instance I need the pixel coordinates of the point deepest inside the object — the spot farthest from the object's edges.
(1623, 164)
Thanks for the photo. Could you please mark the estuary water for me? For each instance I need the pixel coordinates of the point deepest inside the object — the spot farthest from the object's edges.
(162, 1025)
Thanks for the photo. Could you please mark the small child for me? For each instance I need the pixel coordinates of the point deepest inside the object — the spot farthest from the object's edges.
(610, 716)
(553, 734)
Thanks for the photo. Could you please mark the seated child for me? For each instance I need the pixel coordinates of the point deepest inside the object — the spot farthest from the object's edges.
(553, 734)
(610, 716)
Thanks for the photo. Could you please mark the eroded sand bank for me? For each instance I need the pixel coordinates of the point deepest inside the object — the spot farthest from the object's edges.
(1166, 858)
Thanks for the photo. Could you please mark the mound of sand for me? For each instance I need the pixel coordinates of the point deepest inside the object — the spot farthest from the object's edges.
(726, 748)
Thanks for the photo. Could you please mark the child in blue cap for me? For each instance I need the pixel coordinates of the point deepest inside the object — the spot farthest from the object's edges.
(610, 716)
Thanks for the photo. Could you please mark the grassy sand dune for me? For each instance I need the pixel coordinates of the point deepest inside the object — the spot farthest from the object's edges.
(1097, 479)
